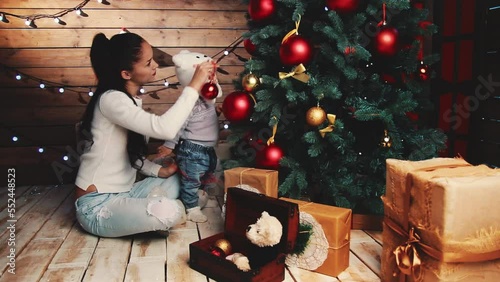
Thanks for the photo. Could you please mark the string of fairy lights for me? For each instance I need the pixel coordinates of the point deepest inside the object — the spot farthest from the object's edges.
(82, 90)
(29, 20)
(88, 89)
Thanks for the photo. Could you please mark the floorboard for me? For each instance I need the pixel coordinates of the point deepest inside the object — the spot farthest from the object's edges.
(51, 246)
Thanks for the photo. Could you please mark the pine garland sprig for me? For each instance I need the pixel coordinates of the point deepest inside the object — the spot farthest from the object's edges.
(305, 232)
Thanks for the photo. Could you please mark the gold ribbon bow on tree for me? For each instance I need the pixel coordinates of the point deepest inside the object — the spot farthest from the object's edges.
(275, 127)
(292, 32)
(298, 73)
(331, 120)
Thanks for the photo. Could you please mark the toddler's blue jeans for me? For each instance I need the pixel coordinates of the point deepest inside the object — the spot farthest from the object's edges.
(196, 165)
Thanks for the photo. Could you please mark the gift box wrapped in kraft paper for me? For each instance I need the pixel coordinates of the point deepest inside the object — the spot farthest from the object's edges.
(327, 251)
(264, 180)
(441, 221)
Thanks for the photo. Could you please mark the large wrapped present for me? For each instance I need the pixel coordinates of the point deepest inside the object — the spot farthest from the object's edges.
(442, 221)
(267, 263)
(327, 251)
(264, 180)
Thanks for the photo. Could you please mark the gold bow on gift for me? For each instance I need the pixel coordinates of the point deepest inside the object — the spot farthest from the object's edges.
(298, 73)
(329, 128)
(407, 258)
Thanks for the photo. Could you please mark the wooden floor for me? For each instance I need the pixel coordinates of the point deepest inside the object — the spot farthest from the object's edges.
(51, 246)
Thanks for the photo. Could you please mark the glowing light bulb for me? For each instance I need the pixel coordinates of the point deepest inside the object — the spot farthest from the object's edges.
(142, 90)
(90, 92)
(3, 18)
(81, 13)
(59, 21)
(15, 139)
(61, 90)
(166, 83)
(18, 76)
(42, 85)
(65, 158)
(41, 150)
(31, 23)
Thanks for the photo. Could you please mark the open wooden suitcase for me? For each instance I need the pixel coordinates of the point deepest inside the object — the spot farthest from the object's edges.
(242, 209)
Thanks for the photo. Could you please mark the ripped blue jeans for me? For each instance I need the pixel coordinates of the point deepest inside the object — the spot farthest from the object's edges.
(150, 205)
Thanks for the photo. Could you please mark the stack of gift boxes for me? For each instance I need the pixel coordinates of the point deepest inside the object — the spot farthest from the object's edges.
(335, 221)
(441, 221)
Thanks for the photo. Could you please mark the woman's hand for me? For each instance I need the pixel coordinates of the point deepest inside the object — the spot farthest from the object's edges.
(167, 171)
(218, 109)
(202, 74)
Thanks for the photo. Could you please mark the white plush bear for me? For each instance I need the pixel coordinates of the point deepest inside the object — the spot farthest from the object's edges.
(185, 64)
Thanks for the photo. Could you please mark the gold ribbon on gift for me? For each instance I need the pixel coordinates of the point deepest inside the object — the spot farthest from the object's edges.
(331, 120)
(407, 257)
(408, 254)
(241, 174)
(297, 73)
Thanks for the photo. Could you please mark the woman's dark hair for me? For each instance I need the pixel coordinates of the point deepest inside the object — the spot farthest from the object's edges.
(109, 57)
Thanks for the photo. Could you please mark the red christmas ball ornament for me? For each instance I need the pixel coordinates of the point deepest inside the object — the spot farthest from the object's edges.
(269, 157)
(237, 106)
(260, 10)
(386, 41)
(413, 116)
(249, 46)
(209, 91)
(418, 4)
(295, 50)
(349, 50)
(342, 6)
(387, 78)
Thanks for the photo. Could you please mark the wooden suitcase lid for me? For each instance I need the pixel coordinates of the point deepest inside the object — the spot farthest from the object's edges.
(244, 208)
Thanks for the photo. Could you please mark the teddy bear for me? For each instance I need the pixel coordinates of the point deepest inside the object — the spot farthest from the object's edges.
(185, 64)
(265, 233)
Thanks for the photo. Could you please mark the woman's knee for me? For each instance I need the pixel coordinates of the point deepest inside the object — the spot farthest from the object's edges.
(165, 210)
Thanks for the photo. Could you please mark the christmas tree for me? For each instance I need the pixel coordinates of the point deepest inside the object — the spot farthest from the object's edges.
(331, 90)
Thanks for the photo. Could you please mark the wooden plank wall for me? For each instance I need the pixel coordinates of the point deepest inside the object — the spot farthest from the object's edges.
(58, 55)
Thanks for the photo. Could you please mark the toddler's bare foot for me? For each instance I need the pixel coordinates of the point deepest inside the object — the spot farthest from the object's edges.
(202, 198)
(195, 215)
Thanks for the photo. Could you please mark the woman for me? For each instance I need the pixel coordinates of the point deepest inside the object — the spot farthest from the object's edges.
(114, 125)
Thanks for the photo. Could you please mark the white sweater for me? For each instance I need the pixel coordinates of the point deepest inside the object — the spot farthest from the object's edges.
(106, 163)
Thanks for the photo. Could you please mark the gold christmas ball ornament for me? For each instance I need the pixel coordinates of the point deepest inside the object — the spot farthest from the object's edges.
(315, 116)
(224, 246)
(386, 141)
(249, 82)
